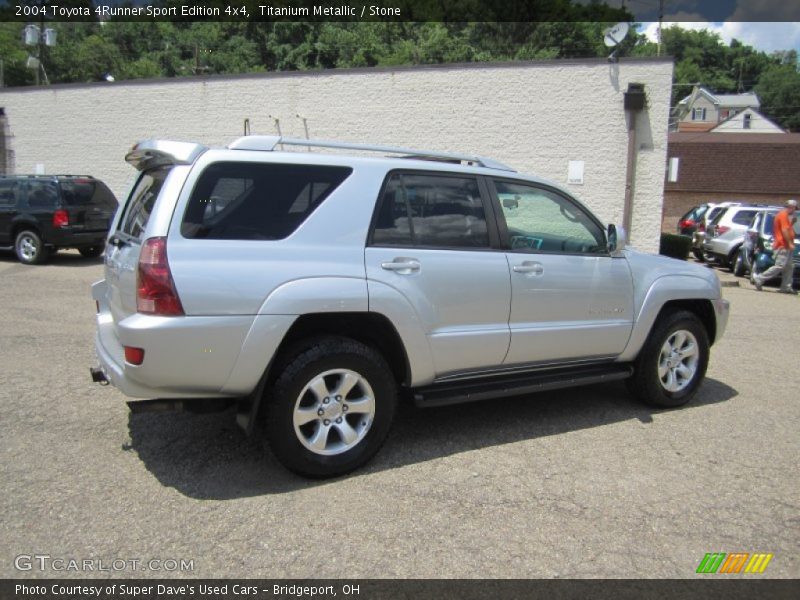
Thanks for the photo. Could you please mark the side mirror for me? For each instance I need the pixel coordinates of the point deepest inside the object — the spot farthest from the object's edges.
(615, 240)
(511, 203)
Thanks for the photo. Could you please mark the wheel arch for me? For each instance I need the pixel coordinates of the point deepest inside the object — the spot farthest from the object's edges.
(370, 328)
(670, 293)
(21, 225)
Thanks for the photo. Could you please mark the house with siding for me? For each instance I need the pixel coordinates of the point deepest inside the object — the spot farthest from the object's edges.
(702, 110)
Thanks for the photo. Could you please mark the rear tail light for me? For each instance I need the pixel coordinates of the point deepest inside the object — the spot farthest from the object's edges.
(155, 288)
(721, 229)
(60, 218)
(134, 356)
(686, 223)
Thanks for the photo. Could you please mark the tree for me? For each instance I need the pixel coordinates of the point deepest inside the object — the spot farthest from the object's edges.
(779, 90)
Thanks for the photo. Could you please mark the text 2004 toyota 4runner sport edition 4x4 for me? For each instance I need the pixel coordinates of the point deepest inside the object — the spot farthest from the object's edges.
(313, 288)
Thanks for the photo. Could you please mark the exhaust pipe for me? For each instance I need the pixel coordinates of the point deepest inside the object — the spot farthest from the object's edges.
(98, 376)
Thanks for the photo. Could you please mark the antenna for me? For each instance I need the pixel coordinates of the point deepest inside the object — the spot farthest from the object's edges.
(612, 38)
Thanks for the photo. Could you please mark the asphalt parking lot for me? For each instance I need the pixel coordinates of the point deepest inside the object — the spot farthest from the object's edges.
(581, 483)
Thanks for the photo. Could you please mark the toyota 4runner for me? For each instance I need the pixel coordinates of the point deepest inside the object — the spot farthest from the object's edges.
(314, 289)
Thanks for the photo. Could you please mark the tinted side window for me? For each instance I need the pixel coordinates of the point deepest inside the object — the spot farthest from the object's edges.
(8, 192)
(42, 194)
(440, 211)
(256, 201)
(539, 220)
(141, 201)
(80, 192)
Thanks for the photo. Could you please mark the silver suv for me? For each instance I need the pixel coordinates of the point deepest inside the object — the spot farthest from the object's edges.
(314, 289)
(726, 232)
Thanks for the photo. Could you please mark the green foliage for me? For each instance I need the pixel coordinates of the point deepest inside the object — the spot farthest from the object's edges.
(130, 50)
(779, 90)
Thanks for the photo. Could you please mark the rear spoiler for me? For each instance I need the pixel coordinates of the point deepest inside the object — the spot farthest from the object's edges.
(150, 154)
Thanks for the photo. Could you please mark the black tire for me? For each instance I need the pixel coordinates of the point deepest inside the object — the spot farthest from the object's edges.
(30, 248)
(92, 251)
(331, 360)
(646, 383)
(739, 267)
(730, 260)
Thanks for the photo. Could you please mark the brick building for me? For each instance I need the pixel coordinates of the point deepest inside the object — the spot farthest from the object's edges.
(711, 167)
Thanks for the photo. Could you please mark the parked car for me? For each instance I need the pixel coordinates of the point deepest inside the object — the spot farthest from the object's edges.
(756, 254)
(695, 221)
(41, 213)
(725, 233)
(315, 289)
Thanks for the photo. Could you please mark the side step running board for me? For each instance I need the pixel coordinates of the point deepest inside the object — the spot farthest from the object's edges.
(442, 394)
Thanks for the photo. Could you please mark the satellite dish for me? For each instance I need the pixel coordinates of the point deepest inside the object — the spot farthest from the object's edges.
(614, 35)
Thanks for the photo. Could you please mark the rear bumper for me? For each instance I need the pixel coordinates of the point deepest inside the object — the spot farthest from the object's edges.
(719, 248)
(186, 357)
(68, 238)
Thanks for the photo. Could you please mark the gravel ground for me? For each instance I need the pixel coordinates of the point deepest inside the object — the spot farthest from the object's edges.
(577, 483)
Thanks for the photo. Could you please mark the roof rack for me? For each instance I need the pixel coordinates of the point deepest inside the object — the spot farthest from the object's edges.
(269, 142)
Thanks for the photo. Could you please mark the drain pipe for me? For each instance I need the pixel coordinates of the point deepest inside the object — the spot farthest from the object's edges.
(634, 103)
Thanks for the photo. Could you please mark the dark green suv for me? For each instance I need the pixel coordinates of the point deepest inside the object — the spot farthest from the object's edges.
(42, 213)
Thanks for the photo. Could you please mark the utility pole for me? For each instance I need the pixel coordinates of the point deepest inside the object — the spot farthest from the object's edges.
(660, 19)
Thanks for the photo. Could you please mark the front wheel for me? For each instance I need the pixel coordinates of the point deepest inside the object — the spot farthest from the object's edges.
(673, 362)
(331, 407)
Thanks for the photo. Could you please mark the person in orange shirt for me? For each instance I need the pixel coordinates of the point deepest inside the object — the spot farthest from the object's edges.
(783, 245)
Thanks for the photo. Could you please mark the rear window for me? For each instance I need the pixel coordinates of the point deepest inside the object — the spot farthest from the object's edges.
(744, 217)
(257, 201)
(140, 203)
(695, 213)
(91, 192)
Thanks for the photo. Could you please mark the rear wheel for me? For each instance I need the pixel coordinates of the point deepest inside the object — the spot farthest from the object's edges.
(730, 260)
(672, 364)
(92, 251)
(29, 248)
(331, 407)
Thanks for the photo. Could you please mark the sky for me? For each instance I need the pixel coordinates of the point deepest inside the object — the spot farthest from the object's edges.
(765, 36)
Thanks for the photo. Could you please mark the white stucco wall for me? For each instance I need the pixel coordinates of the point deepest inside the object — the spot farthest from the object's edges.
(534, 116)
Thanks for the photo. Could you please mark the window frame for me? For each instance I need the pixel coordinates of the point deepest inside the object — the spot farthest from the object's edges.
(488, 210)
(503, 225)
(201, 172)
(119, 232)
(17, 189)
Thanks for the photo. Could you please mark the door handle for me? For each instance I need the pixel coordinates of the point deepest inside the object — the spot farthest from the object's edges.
(536, 268)
(401, 265)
